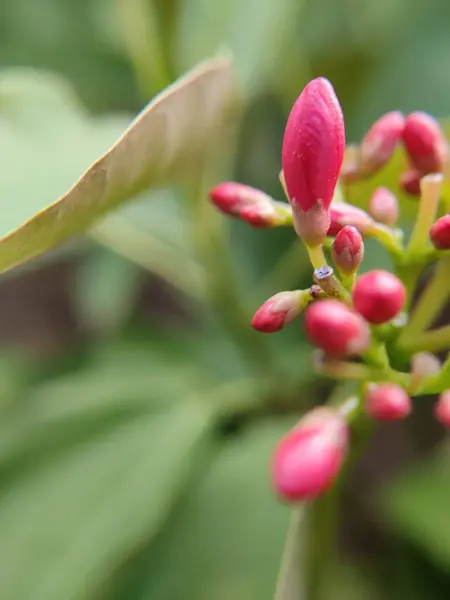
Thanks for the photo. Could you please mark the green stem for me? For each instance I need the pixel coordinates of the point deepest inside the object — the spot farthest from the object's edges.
(377, 355)
(341, 370)
(430, 341)
(324, 512)
(430, 187)
(348, 281)
(388, 237)
(316, 256)
(439, 382)
(330, 284)
(430, 302)
(409, 273)
(322, 528)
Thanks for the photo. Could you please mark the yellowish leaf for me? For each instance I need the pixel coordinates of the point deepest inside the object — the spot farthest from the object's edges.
(162, 144)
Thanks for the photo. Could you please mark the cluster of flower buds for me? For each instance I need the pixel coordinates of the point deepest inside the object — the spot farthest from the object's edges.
(422, 138)
(356, 322)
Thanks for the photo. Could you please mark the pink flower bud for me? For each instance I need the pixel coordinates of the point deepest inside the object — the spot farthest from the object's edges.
(279, 310)
(410, 182)
(425, 143)
(337, 330)
(423, 365)
(348, 250)
(309, 458)
(383, 206)
(379, 296)
(442, 409)
(440, 233)
(312, 155)
(251, 205)
(231, 197)
(380, 141)
(343, 214)
(387, 402)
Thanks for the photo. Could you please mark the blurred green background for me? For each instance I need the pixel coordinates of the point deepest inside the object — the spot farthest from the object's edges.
(138, 409)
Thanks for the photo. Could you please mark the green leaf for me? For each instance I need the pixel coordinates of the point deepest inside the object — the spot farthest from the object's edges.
(226, 539)
(83, 509)
(153, 232)
(105, 291)
(416, 506)
(164, 142)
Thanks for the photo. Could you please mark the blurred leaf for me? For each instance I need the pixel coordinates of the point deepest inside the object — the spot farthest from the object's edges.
(153, 232)
(417, 507)
(226, 539)
(14, 378)
(72, 518)
(257, 33)
(163, 141)
(106, 288)
(345, 582)
(73, 37)
(410, 78)
(140, 30)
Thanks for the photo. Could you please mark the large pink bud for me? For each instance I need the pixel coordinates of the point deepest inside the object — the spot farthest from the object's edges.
(309, 458)
(387, 402)
(425, 142)
(312, 156)
(336, 329)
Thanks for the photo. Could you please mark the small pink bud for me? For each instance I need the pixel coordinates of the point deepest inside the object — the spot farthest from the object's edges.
(316, 292)
(348, 250)
(312, 155)
(380, 141)
(378, 296)
(279, 310)
(383, 206)
(343, 214)
(308, 459)
(337, 330)
(423, 365)
(425, 143)
(440, 233)
(231, 197)
(410, 182)
(387, 402)
(442, 409)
